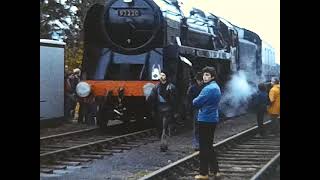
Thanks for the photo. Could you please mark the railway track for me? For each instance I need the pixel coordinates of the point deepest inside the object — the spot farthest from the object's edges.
(81, 149)
(72, 134)
(64, 127)
(63, 136)
(242, 156)
(73, 149)
(69, 139)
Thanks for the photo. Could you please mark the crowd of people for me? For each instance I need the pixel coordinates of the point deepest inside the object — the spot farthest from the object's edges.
(203, 96)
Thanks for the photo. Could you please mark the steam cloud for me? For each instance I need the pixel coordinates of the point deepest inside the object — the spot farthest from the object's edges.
(238, 91)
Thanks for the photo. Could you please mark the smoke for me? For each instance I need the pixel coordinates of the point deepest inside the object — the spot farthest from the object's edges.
(238, 92)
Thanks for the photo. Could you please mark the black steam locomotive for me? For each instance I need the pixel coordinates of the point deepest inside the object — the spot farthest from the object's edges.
(128, 42)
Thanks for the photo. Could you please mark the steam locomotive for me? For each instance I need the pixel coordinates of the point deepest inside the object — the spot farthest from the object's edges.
(128, 42)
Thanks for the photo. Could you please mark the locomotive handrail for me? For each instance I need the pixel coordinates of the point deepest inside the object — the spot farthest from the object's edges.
(170, 12)
(212, 54)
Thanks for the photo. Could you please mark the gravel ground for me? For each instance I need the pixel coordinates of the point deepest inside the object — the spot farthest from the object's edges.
(144, 159)
(276, 175)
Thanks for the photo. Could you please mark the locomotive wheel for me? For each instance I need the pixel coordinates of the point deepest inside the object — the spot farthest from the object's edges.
(144, 122)
(102, 118)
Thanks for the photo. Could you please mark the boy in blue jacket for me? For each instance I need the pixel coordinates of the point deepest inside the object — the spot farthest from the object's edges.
(208, 102)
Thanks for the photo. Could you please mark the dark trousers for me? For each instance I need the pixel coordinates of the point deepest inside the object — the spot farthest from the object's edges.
(207, 154)
(87, 112)
(260, 115)
(275, 123)
(165, 118)
(83, 112)
(70, 104)
(195, 138)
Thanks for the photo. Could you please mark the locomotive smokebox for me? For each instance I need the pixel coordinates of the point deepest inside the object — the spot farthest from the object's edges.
(131, 27)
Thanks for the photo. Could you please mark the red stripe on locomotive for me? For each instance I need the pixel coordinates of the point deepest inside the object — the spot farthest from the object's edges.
(131, 88)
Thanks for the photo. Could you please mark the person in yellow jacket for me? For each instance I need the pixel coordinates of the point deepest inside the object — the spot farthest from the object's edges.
(274, 108)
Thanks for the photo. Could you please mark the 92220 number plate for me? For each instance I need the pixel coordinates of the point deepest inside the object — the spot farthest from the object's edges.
(129, 12)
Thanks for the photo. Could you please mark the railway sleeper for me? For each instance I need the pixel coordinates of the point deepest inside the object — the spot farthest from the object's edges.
(45, 170)
(75, 159)
(120, 147)
(140, 142)
(113, 150)
(240, 166)
(101, 153)
(69, 163)
(56, 146)
(258, 146)
(47, 149)
(243, 159)
(238, 170)
(244, 155)
(262, 143)
(255, 150)
(85, 141)
(234, 162)
(151, 140)
(90, 156)
(248, 152)
(235, 175)
(130, 145)
(54, 166)
(265, 139)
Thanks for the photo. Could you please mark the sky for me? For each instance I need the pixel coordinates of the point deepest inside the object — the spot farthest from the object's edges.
(259, 16)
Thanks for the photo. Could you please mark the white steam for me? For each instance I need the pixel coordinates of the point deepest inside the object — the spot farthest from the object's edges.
(238, 92)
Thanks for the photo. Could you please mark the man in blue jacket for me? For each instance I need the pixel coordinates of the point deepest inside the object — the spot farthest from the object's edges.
(208, 102)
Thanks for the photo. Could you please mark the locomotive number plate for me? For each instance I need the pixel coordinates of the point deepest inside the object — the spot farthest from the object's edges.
(128, 12)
